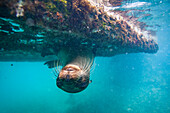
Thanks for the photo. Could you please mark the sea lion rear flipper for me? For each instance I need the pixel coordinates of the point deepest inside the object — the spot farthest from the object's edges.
(51, 64)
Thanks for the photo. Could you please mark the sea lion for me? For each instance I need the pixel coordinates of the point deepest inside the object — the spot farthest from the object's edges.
(75, 74)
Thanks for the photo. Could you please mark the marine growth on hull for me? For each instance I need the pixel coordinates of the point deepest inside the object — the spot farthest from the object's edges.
(35, 30)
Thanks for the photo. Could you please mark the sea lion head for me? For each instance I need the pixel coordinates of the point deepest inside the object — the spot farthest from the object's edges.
(72, 79)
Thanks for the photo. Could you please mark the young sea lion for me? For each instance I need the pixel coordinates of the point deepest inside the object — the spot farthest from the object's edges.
(75, 74)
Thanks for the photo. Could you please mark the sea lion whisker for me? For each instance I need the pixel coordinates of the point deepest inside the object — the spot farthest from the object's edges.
(90, 63)
(93, 67)
(58, 68)
(59, 65)
(55, 67)
(55, 70)
(91, 60)
(82, 63)
(86, 65)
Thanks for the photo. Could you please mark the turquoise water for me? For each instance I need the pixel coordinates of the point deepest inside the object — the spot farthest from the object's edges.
(131, 83)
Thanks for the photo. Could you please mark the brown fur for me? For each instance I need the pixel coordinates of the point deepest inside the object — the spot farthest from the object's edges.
(75, 74)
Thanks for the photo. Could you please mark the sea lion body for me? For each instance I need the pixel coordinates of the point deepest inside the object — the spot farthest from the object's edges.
(75, 74)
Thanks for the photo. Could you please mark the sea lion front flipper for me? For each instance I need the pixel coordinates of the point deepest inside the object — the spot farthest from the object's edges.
(51, 64)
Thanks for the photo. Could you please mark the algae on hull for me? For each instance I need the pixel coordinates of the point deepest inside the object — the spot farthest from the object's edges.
(75, 23)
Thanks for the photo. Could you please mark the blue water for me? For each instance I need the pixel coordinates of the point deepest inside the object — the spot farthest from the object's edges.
(131, 83)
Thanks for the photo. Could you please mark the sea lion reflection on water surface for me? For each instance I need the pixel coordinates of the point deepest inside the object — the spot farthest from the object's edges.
(75, 74)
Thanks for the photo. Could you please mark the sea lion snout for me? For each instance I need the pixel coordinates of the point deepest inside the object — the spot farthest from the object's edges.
(67, 78)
